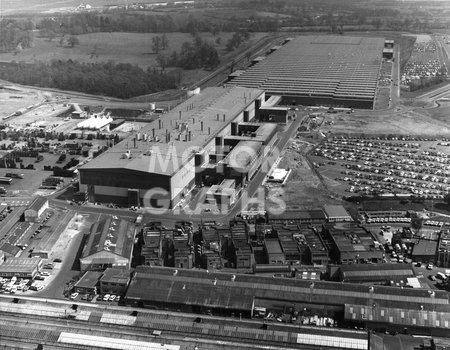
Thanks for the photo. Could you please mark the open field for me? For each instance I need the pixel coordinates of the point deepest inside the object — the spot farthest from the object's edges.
(133, 48)
(12, 100)
(304, 189)
(13, 6)
(403, 122)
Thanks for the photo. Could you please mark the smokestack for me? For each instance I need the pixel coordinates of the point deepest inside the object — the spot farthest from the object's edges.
(201, 125)
(159, 123)
(153, 133)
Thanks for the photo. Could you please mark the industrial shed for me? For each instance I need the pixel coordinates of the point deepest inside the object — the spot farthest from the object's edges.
(35, 209)
(338, 71)
(375, 273)
(110, 244)
(222, 293)
(20, 267)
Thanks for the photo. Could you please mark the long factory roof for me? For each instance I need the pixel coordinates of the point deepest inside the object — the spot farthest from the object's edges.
(319, 66)
(159, 146)
(235, 291)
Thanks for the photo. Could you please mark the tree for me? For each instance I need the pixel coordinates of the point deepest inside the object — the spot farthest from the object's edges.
(416, 223)
(162, 60)
(164, 42)
(156, 44)
(73, 40)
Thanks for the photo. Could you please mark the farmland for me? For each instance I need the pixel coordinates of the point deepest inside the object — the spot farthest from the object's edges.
(133, 48)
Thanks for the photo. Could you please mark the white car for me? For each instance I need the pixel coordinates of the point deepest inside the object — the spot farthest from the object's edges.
(73, 296)
(106, 297)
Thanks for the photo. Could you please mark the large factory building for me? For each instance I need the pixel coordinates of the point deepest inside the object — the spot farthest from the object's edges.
(207, 139)
(334, 71)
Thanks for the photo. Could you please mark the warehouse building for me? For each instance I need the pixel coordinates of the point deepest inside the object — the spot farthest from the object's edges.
(115, 281)
(20, 267)
(375, 273)
(88, 283)
(157, 166)
(353, 244)
(336, 213)
(334, 71)
(35, 209)
(110, 244)
(377, 307)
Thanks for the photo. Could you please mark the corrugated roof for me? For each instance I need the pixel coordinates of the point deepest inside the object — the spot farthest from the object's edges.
(38, 203)
(288, 290)
(110, 235)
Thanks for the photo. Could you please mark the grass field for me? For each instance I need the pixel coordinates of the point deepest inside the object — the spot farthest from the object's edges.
(134, 48)
(14, 6)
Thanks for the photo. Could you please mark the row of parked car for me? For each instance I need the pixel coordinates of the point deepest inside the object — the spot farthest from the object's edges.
(90, 297)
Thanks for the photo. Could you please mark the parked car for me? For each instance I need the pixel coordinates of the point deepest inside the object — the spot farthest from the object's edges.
(73, 296)
(106, 297)
(112, 297)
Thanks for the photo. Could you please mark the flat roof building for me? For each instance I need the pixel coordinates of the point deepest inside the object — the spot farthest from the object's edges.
(353, 244)
(336, 213)
(88, 283)
(156, 167)
(115, 281)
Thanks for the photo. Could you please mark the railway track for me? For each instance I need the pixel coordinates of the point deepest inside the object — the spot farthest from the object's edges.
(35, 329)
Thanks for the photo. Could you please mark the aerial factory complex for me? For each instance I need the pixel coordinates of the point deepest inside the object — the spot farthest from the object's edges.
(292, 199)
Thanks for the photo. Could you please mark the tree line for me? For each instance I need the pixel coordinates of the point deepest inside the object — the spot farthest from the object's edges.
(195, 54)
(15, 35)
(121, 80)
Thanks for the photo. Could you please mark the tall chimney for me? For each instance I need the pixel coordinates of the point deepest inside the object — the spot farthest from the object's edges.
(153, 132)
(159, 123)
(201, 125)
